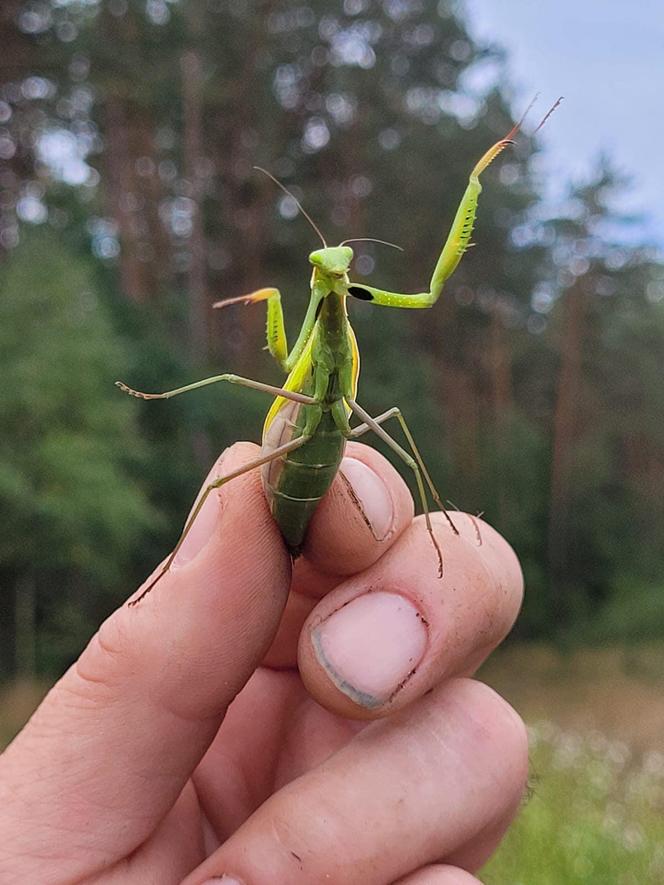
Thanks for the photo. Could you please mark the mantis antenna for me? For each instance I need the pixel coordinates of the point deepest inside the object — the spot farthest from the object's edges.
(295, 199)
(517, 126)
(548, 113)
(371, 240)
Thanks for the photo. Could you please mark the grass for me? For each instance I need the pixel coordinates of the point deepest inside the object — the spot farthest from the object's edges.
(594, 816)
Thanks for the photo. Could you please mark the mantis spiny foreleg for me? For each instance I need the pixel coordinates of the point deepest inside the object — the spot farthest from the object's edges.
(277, 342)
(458, 240)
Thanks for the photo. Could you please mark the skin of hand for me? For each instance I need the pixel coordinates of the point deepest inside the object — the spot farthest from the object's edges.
(256, 722)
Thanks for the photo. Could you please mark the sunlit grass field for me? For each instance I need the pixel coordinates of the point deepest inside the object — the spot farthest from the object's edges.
(595, 815)
(595, 811)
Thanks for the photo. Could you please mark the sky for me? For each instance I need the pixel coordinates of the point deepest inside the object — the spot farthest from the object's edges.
(607, 58)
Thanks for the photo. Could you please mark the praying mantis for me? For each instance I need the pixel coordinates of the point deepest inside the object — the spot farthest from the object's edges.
(308, 423)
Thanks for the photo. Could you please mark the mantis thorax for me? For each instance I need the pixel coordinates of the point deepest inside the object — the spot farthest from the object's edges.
(332, 354)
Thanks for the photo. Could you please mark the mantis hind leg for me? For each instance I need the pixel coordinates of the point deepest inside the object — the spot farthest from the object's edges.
(415, 464)
(395, 412)
(217, 484)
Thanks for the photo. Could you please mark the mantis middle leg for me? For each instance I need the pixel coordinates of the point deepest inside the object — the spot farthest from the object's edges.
(232, 379)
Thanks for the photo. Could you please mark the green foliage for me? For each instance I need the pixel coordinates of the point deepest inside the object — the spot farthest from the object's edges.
(634, 612)
(593, 815)
(70, 453)
(586, 386)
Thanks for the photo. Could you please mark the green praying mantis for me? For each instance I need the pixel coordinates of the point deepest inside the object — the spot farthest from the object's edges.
(308, 424)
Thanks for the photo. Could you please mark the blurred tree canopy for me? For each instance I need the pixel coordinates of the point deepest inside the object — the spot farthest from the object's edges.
(70, 451)
(128, 133)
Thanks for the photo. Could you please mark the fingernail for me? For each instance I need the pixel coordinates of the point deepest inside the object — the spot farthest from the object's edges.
(372, 496)
(371, 646)
(200, 531)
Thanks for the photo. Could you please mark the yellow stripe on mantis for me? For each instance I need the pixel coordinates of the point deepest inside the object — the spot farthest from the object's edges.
(295, 381)
(356, 361)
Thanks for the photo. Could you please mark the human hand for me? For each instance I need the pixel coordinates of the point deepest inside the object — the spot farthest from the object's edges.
(135, 769)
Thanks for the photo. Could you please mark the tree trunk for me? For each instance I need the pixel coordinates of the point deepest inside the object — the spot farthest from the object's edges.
(565, 423)
(120, 189)
(191, 70)
(193, 152)
(501, 405)
(19, 57)
(460, 405)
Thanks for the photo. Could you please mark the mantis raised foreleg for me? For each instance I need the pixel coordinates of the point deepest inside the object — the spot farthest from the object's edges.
(457, 243)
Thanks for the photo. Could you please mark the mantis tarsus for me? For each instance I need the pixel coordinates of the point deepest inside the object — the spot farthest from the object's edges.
(307, 426)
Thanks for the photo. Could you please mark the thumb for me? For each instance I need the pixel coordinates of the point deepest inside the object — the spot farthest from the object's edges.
(127, 724)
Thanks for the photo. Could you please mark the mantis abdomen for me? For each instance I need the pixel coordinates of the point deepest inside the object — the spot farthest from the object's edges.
(295, 482)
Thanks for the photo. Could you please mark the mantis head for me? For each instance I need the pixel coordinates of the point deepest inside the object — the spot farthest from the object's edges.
(332, 260)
